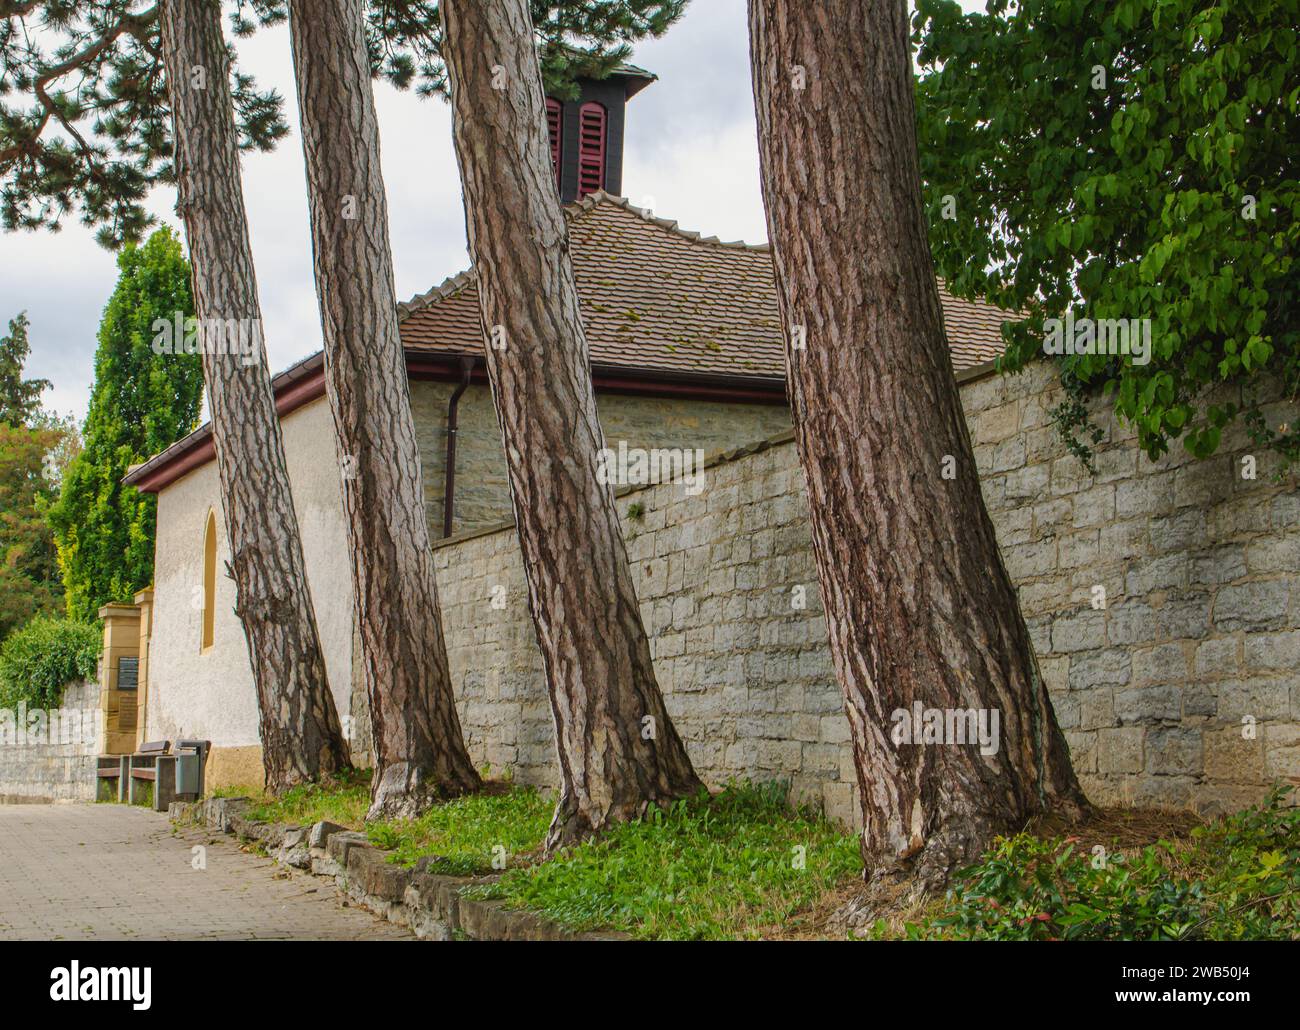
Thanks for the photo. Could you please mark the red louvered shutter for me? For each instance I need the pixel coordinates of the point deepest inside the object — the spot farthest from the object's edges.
(591, 148)
(554, 126)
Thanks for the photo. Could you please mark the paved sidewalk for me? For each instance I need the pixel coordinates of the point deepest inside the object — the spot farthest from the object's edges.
(110, 872)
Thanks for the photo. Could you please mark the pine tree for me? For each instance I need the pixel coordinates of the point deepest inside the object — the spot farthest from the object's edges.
(20, 399)
(169, 107)
(919, 606)
(420, 751)
(619, 751)
(117, 52)
(62, 62)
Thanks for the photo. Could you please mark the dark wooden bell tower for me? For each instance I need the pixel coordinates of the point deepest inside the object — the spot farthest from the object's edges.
(587, 133)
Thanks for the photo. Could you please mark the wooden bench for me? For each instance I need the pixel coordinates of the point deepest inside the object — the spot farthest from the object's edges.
(114, 769)
(150, 749)
(143, 766)
(175, 772)
(127, 770)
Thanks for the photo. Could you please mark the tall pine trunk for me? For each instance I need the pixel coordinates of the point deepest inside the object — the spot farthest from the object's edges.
(301, 737)
(918, 604)
(419, 752)
(618, 750)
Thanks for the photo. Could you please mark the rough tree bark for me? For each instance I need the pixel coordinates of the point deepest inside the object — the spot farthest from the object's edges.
(918, 604)
(420, 754)
(301, 737)
(619, 752)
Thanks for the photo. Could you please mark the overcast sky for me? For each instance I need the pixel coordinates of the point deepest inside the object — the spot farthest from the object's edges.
(690, 153)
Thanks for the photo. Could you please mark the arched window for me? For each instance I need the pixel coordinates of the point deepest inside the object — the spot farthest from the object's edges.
(555, 128)
(591, 148)
(209, 579)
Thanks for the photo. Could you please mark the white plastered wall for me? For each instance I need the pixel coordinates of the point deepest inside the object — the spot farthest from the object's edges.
(210, 694)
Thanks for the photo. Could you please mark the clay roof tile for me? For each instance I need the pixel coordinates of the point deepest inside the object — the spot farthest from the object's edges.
(655, 296)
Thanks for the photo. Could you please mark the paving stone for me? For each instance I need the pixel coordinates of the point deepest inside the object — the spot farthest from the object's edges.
(111, 872)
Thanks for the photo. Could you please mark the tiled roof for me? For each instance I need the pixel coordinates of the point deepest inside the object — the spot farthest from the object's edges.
(655, 297)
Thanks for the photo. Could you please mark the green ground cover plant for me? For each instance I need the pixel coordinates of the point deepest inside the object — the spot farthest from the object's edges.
(479, 833)
(732, 865)
(745, 863)
(1235, 879)
(463, 837)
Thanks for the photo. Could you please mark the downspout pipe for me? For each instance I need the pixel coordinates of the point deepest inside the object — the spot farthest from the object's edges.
(453, 420)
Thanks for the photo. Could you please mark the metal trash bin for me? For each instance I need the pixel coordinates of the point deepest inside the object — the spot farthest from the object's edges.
(191, 756)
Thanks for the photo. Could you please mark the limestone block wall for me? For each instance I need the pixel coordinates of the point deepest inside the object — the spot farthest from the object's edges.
(39, 764)
(1182, 691)
(482, 488)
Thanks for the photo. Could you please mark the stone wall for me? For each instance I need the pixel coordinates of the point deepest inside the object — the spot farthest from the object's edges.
(482, 488)
(1181, 691)
(208, 693)
(37, 765)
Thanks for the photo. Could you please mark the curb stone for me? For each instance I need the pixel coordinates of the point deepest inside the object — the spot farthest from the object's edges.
(431, 905)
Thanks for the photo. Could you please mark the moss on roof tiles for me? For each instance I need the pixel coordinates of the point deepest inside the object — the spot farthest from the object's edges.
(720, 297)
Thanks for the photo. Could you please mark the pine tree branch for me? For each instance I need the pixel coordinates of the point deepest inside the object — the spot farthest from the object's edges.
(135, 25)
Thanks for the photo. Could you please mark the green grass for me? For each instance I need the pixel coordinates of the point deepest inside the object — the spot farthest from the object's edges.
(343, 801)
(736, 865)
(461, 836)
(464, 836)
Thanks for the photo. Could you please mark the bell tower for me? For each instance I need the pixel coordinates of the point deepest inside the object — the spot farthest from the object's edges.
(587, 133)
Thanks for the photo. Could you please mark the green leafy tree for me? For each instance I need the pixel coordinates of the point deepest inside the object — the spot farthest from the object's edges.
(85, 123)
(20, 399)
(1127, 160)
(141, 402)
(34, 447)
(29, 569)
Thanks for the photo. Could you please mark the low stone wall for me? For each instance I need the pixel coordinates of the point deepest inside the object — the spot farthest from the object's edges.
(432, 906)
(1181, 691)
(50, 756)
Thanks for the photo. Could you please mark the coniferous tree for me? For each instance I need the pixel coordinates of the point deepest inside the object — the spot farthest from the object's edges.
(62, 61)
(168, 107)
(107, 177)
(919, 607)
(302, 738)
(420, 752)
(619, 751)
(20, 399)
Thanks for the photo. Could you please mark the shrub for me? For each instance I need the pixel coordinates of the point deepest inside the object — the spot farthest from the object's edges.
(39, 660)
(1238, 879)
